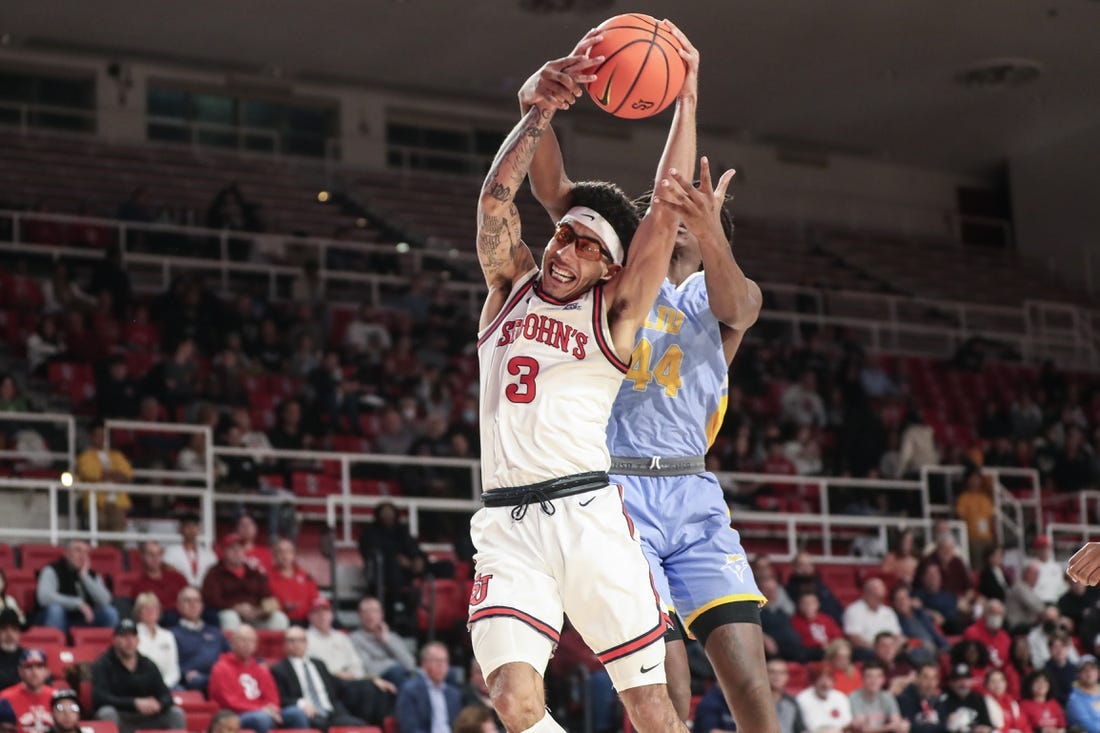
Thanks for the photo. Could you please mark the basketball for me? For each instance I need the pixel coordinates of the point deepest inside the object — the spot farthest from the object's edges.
(642, 72)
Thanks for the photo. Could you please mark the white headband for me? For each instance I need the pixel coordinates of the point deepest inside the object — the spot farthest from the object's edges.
(599, 225)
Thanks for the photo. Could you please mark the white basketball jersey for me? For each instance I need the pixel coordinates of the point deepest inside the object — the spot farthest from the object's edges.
(549, 376)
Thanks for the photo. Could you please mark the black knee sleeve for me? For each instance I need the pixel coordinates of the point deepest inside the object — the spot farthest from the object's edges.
(738, 612)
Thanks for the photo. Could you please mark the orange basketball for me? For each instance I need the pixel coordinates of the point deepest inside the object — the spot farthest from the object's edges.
(642, 72)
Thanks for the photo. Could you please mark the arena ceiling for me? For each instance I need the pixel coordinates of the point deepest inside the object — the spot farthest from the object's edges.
(877, 77)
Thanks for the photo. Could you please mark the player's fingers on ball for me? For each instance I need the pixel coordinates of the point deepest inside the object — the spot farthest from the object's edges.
(590, 39)
(565, 82)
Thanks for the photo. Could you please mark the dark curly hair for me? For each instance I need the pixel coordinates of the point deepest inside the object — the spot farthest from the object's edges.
(612, 203)
(643, 201)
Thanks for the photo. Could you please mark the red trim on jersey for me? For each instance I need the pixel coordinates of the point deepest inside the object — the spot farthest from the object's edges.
(508, 612)
(505, 311)
(629, 647)
(601, 338)
(550, 298)
(652, 584)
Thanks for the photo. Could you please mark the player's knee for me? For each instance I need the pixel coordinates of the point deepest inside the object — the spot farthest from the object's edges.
(516, 694)
(650, 709)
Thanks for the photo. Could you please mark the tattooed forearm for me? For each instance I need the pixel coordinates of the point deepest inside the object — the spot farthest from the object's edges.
(500, 192)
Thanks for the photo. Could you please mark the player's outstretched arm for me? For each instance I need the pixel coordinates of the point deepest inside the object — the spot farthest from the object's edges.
(558, 84)
(501, 251)
(734, 299)
(633, 292)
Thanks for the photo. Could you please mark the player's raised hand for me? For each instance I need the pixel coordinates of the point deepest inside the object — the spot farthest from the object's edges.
(1084, 566)
(690, 55)
(699, 206)
(558, 84)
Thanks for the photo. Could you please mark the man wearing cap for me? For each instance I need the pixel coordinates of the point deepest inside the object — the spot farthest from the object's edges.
(292, 587)
(31, 697)
(189, 557)
(332, 646)
(305, 681)
(240, 683)
(70, 593)
(1052, 574)
(239, 593)
(65, 709)
(128, 690)
(10, 633)
(964, 710)
(199, 643)
(1083, 706)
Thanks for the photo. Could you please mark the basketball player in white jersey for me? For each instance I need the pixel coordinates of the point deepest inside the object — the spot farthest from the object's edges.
(554, 536)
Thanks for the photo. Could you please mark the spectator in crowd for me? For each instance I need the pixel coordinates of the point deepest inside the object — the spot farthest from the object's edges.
(918, 448)
(224, 721)
(189, 557)
(1039, 638)
(941, 604)
(476, 719)
(10, 650)
(1052, 574)
(127, 688)
(920, 702)
(305, 682)
(116, 394)
(953, 571)
(901, 558)
(992, 582)
(424, 698)
(7, 717)
(917, 624)
(1042, 713)
(70, 593)
(199, 644)
(899, 672)
(963, 709)
(155, 642)
(256, 556)
(1060, 669)
(242, 684)
(1083, 706)
(813, 627)
(7, 603)
(292, 587)
(990, 632)
(366, 333)
(713, 714)
(801, 404)
(780, 638)
(390, 551)
(98, 464)
(803, 577)
(1019, 658)
(1004, 709)
(786, 709)
(762, 568)
(163, 581)
(824, 709)
(975, 507)
(1023, 607)
(476, 689)
(869, 615)
(45, 344)
(240, 594)
(330, 645)
(874, 710)
(395, 435)
(65, 710)
(383, 652)
(30, 699)
(838, 663)
(1073, 604)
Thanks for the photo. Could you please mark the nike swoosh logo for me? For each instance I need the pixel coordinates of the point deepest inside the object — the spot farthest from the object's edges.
(588, 216)
(646, 669)
(586, 503)
(605, 98)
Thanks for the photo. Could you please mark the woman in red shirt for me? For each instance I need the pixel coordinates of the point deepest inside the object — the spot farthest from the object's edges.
(1043, 714)
(838, 660)
(1003, 708)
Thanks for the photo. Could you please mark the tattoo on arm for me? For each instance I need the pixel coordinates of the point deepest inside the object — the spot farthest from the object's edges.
(500, 192)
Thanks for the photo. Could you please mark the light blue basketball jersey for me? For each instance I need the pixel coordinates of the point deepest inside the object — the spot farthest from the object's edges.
(673, 398)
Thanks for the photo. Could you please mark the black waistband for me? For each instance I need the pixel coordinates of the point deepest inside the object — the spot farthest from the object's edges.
(555, 488)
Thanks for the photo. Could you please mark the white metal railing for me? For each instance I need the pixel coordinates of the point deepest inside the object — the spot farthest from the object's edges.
(799, 526)
(886, 322)
(25, 113)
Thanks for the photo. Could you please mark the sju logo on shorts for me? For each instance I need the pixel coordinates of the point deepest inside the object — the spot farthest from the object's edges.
(480, 589)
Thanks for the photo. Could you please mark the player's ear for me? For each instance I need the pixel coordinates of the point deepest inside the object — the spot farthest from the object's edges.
(612, 271)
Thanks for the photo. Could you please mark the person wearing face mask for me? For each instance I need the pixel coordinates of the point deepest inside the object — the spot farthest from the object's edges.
(989, 631)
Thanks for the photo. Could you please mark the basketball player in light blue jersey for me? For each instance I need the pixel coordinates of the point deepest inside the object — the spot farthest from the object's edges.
(667, 413)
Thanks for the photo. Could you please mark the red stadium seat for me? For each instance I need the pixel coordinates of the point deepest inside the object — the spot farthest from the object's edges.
(43, 636)
(92, 637)
(7, 557)
(389, 725)
(451, 605)
(355, 729)
(106, 560)
(198, 722)
(21, 587)
(271, 645)
(192, 700)
(36, 556)
(98, 726)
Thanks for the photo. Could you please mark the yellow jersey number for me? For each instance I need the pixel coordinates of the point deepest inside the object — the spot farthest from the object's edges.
(666, 372)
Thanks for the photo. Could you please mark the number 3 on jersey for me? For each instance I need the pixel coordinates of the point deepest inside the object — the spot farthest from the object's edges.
(666, 372)
(526, 369)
